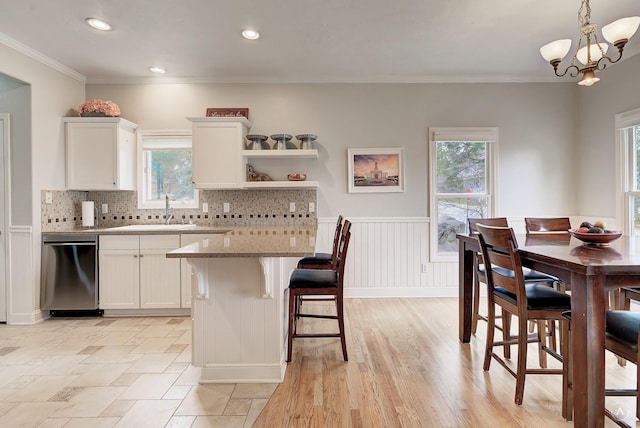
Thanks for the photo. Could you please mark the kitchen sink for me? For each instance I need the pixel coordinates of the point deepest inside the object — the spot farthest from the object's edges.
(152, 227)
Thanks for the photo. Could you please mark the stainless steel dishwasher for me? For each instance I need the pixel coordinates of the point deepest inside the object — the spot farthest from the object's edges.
(69, 278)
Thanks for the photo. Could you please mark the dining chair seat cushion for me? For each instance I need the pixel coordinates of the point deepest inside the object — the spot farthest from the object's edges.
(317, 259)
(313, 278)
(538, 297)
(623, 326)
(529, 275)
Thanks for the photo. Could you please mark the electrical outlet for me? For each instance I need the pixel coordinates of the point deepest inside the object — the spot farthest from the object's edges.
(48, 198)
(225, 207)
(226, 241)
(205, 207)
(312, 207)
(105, 208)
(292, 207)
(425, 268)
(292, 241)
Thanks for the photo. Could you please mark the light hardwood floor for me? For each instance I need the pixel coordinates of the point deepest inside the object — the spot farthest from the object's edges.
(407, 368)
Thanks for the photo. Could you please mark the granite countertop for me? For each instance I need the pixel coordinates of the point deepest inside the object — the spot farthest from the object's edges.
(143, 229)
(275, 241)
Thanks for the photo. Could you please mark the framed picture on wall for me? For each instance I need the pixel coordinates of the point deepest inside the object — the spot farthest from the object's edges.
(375, 170)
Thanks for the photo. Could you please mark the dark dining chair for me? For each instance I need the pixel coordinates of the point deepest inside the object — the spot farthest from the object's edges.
(622, 338)
(550, 225)
(547, 224)
(479, 276)
(507, 289)
(478, 266)
(319, 283)
(324, 260)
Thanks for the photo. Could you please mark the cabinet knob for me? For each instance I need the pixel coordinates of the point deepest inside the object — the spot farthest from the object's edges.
(135, 256)
(141, 255)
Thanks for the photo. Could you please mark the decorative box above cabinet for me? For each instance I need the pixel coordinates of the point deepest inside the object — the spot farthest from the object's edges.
(101, 153)
(217, 162)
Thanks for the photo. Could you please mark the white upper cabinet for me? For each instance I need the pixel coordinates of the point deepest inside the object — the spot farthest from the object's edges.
(217, 162)
(219, 156)
(101, 153)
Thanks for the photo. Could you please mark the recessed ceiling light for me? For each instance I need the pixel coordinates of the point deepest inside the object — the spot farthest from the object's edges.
(158, 70)
(250, 34)
(98, 24)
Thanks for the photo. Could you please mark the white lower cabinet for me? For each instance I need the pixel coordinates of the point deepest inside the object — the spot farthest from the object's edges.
(135, 273)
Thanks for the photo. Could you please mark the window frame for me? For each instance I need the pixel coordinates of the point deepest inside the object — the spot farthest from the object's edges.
(148, 205)
(464, 134)
(626, 159)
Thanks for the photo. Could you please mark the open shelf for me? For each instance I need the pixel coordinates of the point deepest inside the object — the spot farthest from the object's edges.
(280, 184)
(281, 154)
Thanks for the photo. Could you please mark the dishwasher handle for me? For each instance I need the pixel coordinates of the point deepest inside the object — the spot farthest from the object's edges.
(67, 244)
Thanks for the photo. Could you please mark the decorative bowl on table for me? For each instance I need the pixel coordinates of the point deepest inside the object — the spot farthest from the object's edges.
(297, 177)
(596, 238)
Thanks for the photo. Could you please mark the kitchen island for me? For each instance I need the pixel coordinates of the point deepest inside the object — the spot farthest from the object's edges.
(239, 307)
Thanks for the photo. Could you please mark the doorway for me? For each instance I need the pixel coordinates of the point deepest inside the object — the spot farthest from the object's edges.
(4, 212)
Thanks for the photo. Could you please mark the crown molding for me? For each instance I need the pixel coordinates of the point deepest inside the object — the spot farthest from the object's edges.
(41, 58)
(322, 79)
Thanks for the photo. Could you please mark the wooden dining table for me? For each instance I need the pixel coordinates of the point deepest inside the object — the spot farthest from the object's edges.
(591, 271)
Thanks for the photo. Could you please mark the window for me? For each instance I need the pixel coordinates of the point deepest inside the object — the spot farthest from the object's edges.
(462, 171)
(628, 148)
(164, 168)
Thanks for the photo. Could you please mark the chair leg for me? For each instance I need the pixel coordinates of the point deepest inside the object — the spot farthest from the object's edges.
(637, 391)
(553, 337)
(506, 332)
(542, 336)
(292, 315)
(340, 313)
(491, 328)
(620, 302)
(521, 371)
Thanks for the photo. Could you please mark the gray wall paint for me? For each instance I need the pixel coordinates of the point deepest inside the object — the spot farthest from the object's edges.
(15, 99)
(618, 91)
(537, 133)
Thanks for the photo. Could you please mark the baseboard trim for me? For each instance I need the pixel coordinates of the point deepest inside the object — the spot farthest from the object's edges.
(27, 318)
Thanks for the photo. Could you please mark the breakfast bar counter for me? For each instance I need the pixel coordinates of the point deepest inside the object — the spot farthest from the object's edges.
(239, 307)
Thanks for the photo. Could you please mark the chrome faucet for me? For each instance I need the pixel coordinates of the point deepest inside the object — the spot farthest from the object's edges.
(168, 215)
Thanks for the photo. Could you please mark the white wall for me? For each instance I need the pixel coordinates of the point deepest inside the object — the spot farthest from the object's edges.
(39, 153)
(15, 99)
(536, 121)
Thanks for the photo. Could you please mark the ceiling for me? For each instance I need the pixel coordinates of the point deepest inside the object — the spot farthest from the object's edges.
(302, 40)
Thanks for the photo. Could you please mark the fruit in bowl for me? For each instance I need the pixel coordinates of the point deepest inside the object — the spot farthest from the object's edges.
(595, 233)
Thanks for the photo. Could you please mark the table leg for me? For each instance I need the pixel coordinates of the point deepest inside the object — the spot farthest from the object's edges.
(465, 291)
(587, 325)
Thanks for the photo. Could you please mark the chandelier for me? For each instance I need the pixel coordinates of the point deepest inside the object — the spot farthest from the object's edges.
(590, 53)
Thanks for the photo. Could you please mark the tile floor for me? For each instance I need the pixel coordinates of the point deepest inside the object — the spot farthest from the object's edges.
(114, 372)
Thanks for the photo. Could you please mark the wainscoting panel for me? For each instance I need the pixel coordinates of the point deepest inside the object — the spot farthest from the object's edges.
(386, 258)
(23, 284)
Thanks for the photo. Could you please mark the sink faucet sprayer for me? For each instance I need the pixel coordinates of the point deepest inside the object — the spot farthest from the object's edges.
(168, 215)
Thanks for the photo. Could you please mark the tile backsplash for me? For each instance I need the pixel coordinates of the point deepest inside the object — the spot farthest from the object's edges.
(246, 208)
